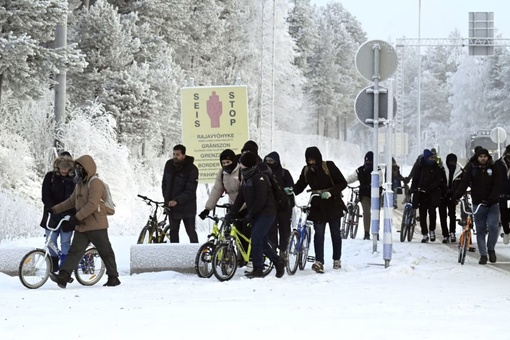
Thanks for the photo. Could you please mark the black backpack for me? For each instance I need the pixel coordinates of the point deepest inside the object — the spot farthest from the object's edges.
(281, 198)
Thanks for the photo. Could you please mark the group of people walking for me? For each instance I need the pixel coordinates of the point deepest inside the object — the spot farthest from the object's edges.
(437, 186)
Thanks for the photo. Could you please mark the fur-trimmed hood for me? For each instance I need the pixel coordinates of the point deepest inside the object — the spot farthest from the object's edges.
(67, 161)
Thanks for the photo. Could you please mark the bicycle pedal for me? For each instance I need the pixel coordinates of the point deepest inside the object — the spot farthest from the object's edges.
(472, 249)
(310, 258)
(70, 280)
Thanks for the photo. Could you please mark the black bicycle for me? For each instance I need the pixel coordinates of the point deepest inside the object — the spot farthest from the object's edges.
(156, 229)
(408, 217)
(350, 221)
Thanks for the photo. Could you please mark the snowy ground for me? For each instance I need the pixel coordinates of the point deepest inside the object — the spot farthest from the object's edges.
(423, 294)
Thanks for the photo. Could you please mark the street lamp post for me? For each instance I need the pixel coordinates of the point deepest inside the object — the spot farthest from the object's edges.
(418, 125)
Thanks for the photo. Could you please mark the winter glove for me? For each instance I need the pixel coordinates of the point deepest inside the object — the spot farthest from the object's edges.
(228, 218)
(204, 214)
(70, 225)
(248, 219)
(288, 190)
(325, 195)
(407, 179)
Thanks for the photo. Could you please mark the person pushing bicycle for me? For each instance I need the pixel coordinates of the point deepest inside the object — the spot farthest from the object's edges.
(328, 208)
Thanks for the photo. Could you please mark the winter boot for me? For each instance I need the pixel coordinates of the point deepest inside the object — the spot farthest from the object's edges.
(112, 281)
(425, 239)
(367, 236)
(54, 264)
(256, 273)
(62, 278)
(280, 267)
(483, 260)
(337, 264)
(492, 256)
(453, 239)
(446, 239)
(318, 267)
(432, 235)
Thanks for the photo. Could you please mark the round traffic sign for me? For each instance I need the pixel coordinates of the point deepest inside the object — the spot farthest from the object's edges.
(364, 106)
(498, 135)
(388, 60)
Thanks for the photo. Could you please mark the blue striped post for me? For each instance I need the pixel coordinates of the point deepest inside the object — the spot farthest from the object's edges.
(374, 207)
(388, 222)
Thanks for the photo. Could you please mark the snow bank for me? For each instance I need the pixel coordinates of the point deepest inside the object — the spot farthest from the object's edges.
(179, 257)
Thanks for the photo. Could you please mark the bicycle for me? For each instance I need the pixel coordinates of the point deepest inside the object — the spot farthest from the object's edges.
(225, 256)
(408, 223)
(350, 221)
(203, 259)
(154, 231)
(299, 240)
(35, 266)
(466, 236)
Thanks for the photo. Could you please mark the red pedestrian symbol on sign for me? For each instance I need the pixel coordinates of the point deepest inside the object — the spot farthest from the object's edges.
(214, 109)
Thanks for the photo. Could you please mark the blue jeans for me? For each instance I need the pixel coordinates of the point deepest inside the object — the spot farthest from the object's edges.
(486, 218)
(336, 239)
(259, 244)
(65, 241)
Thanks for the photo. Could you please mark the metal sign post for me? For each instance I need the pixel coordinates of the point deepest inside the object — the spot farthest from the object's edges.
(376, 60)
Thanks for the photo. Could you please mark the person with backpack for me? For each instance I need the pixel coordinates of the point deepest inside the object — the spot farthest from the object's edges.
(447, 208)
(57, 186)
(482, 176)
(363, 175)
(326, 178)
(179, 187)
(257, 193)
(281, 225)
(90, 221)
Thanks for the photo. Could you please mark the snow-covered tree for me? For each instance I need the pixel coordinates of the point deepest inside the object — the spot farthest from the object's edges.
(28, 58)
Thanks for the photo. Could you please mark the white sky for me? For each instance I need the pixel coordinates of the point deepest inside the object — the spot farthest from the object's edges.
(392, 19)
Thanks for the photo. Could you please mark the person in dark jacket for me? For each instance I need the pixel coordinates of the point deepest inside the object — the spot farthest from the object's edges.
(281, 225)
(447, 208)
(503, 165)
(179, 186)
(57, 186)
(256, 192)
(363, 175)
(482, 176)
(91, 222)
(426, 185)
(396, 180)
(328, 208)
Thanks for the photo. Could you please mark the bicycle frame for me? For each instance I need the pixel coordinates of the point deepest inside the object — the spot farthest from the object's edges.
(350, 221)
(156, 229)
(466, 236)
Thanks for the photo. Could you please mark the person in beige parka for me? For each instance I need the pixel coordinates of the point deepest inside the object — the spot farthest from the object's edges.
(91, 223)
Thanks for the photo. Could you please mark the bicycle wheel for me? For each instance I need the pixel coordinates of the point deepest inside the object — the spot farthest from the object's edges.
(34, 269)
(347, 222)
(411, 224)
(224, 262)
(404, 226)
(203, 260)
(304, 247)
(146, 236)
(293, 253)
(165, 234)
(268, 266)
(463, 248)
(343, 229)
(90, 269)
(355, 221)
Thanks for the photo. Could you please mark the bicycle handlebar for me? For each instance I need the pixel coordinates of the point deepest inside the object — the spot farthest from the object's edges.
(149, 201)
(65, 218)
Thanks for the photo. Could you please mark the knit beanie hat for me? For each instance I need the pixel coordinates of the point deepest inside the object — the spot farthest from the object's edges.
(249, 159)
(250, 146)
(427, 154)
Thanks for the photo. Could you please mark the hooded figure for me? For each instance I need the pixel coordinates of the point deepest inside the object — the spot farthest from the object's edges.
(228, 154)
(369, 161)
(326, 208)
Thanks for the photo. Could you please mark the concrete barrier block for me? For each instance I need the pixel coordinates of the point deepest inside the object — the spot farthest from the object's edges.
(179, 257)
(10, 259)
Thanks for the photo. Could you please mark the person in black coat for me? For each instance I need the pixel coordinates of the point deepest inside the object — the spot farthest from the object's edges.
(503, 165)
(179, 186)
(426, 185)
(447, 209)
(482, 176)
(281, 225)
(328, 208)
(57, 186)
(256, 191)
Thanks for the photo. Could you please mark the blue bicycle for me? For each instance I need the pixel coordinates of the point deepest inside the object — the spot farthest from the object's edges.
(299, 240)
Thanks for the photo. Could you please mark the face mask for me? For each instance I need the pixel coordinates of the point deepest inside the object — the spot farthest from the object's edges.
(229, 168)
